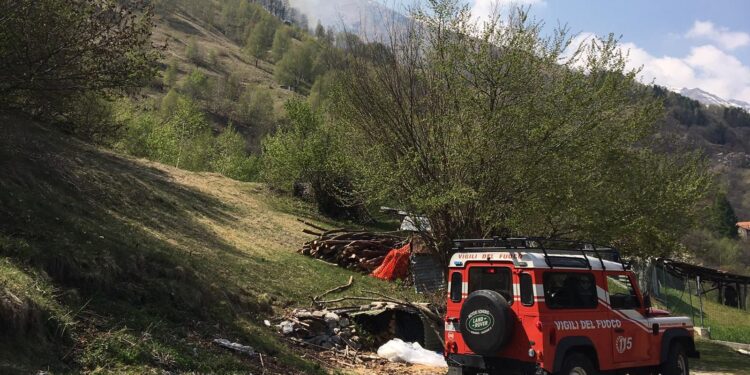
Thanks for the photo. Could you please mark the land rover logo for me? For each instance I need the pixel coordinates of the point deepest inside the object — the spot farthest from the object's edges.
(479, 322)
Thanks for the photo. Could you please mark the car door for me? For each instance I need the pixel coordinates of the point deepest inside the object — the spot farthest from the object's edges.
(630, 331)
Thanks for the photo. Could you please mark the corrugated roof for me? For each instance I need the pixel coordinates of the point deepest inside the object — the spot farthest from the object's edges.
(744, 225)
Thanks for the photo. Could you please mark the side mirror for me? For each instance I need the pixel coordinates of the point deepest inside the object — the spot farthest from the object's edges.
(647, 300)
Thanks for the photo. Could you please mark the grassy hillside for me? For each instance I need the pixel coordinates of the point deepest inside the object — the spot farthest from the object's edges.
(109, 263)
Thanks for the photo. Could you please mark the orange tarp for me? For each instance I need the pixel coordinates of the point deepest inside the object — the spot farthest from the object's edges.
(395, 265)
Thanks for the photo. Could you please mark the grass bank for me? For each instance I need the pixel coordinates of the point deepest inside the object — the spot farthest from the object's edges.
(113, 264)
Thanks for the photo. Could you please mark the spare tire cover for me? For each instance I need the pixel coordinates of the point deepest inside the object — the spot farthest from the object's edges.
(486, 322)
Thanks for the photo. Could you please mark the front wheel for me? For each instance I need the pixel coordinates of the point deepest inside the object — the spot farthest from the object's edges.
(677, 361)
(577, 364)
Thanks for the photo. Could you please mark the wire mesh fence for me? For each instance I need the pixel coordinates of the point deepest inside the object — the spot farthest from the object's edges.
(722, 308)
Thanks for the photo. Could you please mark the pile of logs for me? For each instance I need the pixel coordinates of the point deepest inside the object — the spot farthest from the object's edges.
(358, 250)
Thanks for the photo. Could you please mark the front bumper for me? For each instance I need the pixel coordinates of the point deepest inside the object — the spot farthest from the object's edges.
(479, 362)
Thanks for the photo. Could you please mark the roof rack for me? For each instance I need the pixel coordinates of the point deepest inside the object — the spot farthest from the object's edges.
(547, 247)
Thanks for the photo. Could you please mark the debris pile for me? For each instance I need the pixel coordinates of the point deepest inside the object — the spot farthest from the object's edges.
(358, 250)
(322, 329)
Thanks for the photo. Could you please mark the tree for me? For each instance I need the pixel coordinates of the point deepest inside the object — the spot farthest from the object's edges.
(304, 151)
(260, 39)
(255, 107)
(53, 50)
(723, 219)
(495, 129)
(320, 32)
(170, 75)
(196, 84)
(282, 39)
(296, 67)
(193, 52)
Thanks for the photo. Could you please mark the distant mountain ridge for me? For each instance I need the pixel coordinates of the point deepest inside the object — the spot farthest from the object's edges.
(369, 19)
(708, 98)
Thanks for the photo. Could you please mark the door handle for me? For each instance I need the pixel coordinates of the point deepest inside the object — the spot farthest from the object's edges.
(619, 330)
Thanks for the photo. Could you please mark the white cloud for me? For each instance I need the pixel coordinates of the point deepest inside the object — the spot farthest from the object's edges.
(721, 35)
(706, 67)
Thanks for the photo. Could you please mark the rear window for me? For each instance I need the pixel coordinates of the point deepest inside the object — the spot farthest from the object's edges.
(456, 284)
(492, 278)
(568, 290)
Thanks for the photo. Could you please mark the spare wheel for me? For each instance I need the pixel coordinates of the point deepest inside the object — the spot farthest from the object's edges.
(486, 322)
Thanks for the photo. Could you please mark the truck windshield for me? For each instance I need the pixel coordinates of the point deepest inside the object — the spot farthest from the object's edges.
(492, 278)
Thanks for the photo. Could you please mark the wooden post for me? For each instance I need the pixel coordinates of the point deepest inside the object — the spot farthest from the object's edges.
(690, 296)
(699, 288)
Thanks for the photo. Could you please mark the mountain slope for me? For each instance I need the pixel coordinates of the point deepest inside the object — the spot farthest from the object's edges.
(110, 263)
(708, 98)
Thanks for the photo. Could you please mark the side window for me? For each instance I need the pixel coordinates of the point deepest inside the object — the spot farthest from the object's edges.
(527, 290)
(622, 294)
(492, 278)
(568, 290)
(456, 285)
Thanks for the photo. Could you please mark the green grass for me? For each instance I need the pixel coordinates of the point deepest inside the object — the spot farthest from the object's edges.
(719, 358)
(726, 323)
(135, 267)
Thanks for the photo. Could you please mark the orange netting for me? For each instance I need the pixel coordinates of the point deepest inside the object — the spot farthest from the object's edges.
(395, 265)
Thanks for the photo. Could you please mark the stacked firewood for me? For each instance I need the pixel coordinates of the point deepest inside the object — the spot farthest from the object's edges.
(354, 249)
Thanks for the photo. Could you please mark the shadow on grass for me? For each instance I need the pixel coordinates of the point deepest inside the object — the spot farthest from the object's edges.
(125, 246)
(719, 358)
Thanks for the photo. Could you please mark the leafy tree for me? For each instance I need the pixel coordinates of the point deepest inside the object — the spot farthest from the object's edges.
(496, 129)
(322, 89)
(170, 75)
(193, 52)
(53, 50)
(169, 103)
(260, 39)
(723, 219)
(296, 67)
(304, 151)
(281, 42)
(256, 107)
(230, 157)
(196, 84)
(213, 59)
(320, 32)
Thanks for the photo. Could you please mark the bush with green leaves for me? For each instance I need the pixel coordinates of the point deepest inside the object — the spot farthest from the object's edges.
(57, 50)
(255, 107)
(296, 67)
(282, 40)
(303, 151)
(180, 135)
(196, 85)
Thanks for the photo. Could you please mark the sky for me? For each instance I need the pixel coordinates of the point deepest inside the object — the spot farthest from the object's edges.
(679, 43)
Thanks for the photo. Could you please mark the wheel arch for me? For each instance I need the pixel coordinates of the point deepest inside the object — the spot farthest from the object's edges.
(676, 335)
(580, 344)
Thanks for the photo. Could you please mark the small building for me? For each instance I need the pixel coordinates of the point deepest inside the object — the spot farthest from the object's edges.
(743, 229)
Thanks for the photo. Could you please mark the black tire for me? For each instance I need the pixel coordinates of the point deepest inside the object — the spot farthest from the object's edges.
(486, 322)
(677, 361)
(577, 364)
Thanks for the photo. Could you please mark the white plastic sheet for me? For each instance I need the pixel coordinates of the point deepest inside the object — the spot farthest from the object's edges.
(398, 351)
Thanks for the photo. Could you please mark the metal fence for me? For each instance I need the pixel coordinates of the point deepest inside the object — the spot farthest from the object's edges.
(721, 308)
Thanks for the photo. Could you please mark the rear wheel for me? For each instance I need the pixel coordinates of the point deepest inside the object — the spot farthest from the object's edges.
(677, 361)
(577, 364)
